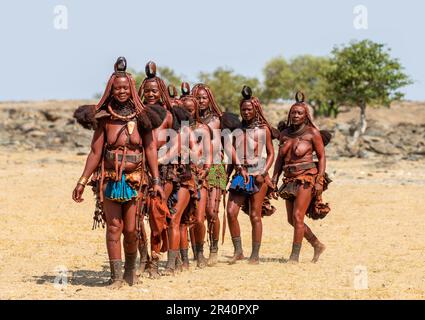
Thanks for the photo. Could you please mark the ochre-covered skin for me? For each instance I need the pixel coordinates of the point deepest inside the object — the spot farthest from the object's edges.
(113, 134)
(301, 185)
(254, 120)
(210, 114)
(153, 93)
(199, 171)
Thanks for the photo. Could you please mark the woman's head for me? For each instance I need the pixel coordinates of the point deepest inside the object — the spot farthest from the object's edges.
(247, 111)
(190, 106)
(153, 89)
(206, 99)
(189, 102)
(299, 113)
(121, 89)
(151, 92)
(203, 100)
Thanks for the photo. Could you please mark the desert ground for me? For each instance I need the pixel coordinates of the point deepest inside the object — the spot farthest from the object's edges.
(376, 223)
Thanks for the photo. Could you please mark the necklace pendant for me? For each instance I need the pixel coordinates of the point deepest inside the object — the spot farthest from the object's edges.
(130, 126)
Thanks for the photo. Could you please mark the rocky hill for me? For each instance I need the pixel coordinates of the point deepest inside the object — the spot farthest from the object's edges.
(398, 131)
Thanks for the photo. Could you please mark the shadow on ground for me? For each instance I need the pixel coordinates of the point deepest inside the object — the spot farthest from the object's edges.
(88, 278)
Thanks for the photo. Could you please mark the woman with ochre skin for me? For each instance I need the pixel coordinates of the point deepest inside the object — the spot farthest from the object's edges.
(200, 167)
(250, 184)
(304, 179)
(154, 93)
(123, 133)
(210, 114)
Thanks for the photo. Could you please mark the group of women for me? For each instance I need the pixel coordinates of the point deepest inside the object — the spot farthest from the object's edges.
(171, 158)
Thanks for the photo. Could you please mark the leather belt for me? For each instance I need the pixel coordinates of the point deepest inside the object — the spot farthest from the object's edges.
(298, 167)
(133, 158)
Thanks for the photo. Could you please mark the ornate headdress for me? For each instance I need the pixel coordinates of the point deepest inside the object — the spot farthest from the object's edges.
(87, 115)
(150, 70)
(120, 68)
(300, 102)
(186, 95)
(260, 118)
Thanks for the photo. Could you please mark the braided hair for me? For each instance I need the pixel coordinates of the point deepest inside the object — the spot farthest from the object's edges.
(248, 97)
(150, 70)
(215, 108)
(187, 96)
(120, 71)
(300, 102)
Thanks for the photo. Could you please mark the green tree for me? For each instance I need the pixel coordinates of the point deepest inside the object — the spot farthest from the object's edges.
(364, 74)
(227, 87)
(309, 75)
(306, 73)
(277, 80)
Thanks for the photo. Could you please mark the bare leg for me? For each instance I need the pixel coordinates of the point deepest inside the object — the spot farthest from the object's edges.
(212, 209)
(256, 222)
(233, 206)
(130, 242)
(114, 228)
(199, 228)
(183, 196)
(184, 247)
(300, 205)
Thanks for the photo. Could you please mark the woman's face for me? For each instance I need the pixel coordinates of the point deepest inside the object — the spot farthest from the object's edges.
(203, 99)
(151, 93)
(297, 115)
(121, 89)
(189, 105)
(247, 111)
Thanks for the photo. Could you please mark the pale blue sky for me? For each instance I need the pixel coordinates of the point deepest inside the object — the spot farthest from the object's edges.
(41, 62)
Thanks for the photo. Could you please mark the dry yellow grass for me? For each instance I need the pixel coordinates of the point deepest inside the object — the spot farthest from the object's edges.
(377, 221)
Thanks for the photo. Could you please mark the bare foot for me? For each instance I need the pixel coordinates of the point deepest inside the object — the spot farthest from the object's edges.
(168, 272)
(131, 277)
(292, 261)
(153, 269)
(115, 284)
(212, 259)
(318, 250)
(201, 262)
(185, 266)
(236, 257)
(254, 261)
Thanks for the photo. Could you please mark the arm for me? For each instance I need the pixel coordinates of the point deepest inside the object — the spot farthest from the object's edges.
(269, 150)
(278, 166)
(152, 158)
(320, 152)
(207, 149)
(92, 162)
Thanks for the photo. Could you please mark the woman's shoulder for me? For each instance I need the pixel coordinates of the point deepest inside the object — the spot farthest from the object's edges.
(313, 131)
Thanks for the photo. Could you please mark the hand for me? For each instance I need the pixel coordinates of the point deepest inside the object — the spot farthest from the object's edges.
(270, 183)
(77, 193)
(158, 191)
(203, 174)
(318, 189)
(259, 179)
(245, 175)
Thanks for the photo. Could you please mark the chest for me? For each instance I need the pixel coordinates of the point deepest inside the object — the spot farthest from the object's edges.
(120, 133)
(296, 146)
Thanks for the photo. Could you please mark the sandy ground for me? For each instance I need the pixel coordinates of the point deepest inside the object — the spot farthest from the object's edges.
(376, 222)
